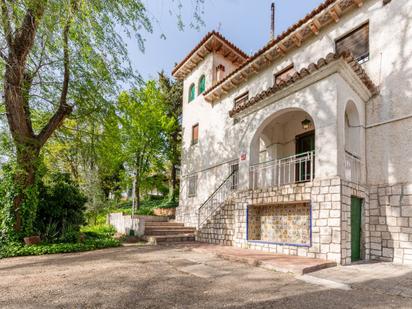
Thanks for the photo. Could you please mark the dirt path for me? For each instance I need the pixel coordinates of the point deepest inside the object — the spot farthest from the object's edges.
(166, 277)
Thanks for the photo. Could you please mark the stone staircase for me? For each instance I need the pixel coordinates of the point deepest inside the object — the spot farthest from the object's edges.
(166, 232)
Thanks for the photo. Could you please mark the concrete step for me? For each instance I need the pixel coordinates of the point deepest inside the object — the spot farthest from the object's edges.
(154, 232)
(161, 224)
(168, 227)
(169, 238)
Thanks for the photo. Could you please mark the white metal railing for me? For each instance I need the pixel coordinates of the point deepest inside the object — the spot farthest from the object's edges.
(293, 169)
(353, 168)
(217, 199)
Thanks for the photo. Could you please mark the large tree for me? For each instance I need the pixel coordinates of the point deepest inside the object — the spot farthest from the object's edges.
(134, 135)
(58, 56)
(172, 92)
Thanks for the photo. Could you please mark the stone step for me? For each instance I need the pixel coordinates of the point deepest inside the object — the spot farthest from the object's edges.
(168, 227)
(153, 223)
(169, 238)
(153, 232)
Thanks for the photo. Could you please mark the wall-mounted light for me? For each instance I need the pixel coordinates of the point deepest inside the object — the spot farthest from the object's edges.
(306, 124)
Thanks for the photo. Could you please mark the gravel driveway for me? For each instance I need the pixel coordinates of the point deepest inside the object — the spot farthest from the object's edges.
(168, 277)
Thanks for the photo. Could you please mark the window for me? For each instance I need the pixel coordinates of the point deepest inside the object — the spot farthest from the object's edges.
(242, 98)
(192, 92)
(192, 186)
(220, 72)
(234, 171)
(356, 42)
(285, 74)
(202, 85)
(195, 134)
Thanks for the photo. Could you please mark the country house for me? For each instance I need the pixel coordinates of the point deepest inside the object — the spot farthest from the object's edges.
(304, 148)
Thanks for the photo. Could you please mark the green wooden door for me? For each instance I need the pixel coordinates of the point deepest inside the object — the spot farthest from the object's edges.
(356, 211)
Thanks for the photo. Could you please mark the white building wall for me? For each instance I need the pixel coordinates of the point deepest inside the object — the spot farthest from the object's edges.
(387, 153)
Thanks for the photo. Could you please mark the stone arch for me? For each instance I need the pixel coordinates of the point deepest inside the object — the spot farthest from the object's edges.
(294, 113)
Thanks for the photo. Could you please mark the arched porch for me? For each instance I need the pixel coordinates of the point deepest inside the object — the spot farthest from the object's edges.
(283, 150)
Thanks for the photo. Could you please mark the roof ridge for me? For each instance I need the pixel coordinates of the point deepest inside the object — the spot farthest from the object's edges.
(203, 41)
(323, 6)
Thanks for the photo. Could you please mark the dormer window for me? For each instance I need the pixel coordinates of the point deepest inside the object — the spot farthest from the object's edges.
(202, 84)
(356, 42)
(284, 74)
(192, 93)
(220, 72)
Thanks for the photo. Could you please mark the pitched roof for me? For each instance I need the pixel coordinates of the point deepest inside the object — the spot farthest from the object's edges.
(211, 42)
(305, 72)
(293, 37)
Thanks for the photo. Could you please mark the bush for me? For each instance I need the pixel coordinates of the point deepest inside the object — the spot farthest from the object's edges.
(61, 210)
(103, 231)
(17, 249)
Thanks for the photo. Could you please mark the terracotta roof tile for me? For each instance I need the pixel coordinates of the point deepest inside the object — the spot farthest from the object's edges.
(312, 68)
(279, 38)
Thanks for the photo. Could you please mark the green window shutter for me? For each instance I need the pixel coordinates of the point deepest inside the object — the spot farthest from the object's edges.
(202, 84)
(192, 92)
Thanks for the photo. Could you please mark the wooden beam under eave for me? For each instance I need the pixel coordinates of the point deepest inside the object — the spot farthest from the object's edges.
(314, 28)
(338, 9)
(297, 39)
(334, 15)
(359, 3)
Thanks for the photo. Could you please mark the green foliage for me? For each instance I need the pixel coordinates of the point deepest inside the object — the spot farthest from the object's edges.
(101, 231)
(17, 249)
(28, 209)
(61, 209)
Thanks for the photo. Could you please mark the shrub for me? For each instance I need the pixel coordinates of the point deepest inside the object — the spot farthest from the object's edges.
(103, 231)
(17, 249)
(61, 210)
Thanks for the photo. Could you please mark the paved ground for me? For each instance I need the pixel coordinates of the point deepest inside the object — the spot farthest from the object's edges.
(176, 277)
(271, 261)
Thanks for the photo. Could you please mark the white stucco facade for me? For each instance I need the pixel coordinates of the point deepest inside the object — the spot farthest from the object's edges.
(346, 117)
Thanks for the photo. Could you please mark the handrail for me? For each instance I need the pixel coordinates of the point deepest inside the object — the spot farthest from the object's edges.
(284, 159)
(212, 196)
(292, 169)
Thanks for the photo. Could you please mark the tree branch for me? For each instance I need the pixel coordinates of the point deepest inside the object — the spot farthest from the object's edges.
(64, 108)
(5, 18)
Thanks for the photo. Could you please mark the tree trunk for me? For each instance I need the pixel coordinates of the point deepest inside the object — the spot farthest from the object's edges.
(25, 177)
(137, 194)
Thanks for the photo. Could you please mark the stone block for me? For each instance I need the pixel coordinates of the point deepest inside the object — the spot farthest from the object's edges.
(333, 222)
(406, 211)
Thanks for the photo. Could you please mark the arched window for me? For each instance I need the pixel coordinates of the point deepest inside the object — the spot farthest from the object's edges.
(202, 85)
(192, 92)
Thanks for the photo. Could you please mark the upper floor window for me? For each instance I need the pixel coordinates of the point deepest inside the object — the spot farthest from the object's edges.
(195, 134)
(284, 74)
(356, 42)
(192, 187)
(220, 72)
(192, 92)
(202, 84)
(242, 98)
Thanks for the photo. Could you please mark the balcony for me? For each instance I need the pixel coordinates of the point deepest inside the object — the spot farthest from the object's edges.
(293, 169)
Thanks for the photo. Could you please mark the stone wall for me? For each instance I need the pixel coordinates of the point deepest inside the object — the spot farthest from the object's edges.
(391, 223)
(220, 228)
(350, 189)
(324, 197)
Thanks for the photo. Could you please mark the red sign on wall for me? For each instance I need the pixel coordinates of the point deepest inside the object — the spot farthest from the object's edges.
(243, 156)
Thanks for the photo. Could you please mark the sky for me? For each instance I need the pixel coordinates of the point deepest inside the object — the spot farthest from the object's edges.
(246, 23)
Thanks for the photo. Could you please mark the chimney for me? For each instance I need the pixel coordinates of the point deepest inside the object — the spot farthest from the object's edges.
(272, 22)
